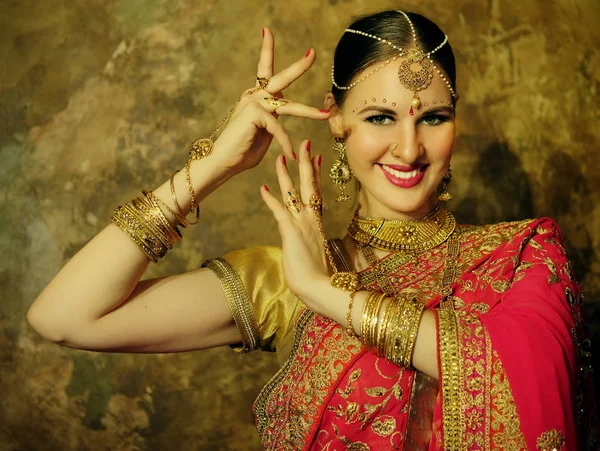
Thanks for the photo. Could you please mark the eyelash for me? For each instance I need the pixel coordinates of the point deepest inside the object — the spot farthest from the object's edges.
(438, 119)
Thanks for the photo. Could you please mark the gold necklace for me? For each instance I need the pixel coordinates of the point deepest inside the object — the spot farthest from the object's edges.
(450, 270)
(414, 236)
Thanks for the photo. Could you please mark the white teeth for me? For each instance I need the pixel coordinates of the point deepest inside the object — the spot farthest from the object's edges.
(401, 175)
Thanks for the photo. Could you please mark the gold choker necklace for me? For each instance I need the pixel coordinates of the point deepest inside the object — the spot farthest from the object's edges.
(405, 236)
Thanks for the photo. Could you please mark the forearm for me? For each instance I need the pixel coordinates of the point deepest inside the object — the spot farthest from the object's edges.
(333, 303)
(104, 273)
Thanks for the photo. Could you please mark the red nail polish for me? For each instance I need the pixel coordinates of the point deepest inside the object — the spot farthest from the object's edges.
(319, 160)
(308, 53)
(324, 111)
(266, 188)
(263, 31)
(308, 146)
(294, 155)
(283, 159)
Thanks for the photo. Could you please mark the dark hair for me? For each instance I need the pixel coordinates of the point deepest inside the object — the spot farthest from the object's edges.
(354, 53)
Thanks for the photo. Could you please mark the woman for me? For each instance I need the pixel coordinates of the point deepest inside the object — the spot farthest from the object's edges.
(412, 332)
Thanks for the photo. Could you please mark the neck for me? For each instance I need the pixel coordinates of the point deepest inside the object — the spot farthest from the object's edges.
(373, 209)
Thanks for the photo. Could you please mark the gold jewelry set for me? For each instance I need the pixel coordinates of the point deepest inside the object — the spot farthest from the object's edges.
(415, 74)
(143, 219)
(390, 322)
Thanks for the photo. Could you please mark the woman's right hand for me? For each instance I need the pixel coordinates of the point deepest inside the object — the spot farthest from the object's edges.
(254, 123)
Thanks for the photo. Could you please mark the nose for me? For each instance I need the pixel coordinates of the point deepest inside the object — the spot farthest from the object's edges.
(407, 148)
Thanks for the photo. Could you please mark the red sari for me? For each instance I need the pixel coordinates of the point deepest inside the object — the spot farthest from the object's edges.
(513, 363)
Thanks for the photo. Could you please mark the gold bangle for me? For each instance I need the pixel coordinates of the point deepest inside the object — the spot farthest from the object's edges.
(366, 317)
(417, 314)
(158, 243)
(383, 327)
(370, 319)
(172, 232)
(147, 214)
(138, 233)
(401, 338)
(158, 203)
(350, 328)
(375, 323)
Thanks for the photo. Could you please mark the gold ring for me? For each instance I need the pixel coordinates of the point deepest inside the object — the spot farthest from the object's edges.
(293, 201)
(317, 204)
(262, 82)
(276, 103)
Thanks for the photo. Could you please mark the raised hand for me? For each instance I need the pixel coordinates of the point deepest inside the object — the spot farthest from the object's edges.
(304, 260)
(254, 123)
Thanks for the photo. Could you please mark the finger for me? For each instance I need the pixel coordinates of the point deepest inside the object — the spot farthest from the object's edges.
(300, 110)
(307, 175)
(274, 127)
(285, 181)
(277, 208)
(316, 162)
(266, 61)
(289, 75)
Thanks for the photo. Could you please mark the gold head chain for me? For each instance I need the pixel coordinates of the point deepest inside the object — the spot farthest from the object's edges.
(415, 73)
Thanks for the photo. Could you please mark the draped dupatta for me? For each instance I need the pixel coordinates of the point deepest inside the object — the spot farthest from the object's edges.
(513, 358)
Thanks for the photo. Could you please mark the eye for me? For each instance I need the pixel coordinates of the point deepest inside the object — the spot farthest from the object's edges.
(435, 119)
(380, 119)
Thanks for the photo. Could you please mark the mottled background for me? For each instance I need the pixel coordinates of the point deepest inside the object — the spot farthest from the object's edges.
(100, 98)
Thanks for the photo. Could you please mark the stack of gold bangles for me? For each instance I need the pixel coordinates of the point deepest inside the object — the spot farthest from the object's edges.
(389, 326)
(144, 222)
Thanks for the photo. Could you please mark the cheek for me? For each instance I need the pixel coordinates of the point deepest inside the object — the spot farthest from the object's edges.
(439, 145)
(366, 145)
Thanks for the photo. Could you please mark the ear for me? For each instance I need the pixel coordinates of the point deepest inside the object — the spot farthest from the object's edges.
(336, 124)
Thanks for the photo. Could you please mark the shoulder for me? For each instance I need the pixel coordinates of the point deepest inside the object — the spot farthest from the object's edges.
(504, 232)
(481, 240)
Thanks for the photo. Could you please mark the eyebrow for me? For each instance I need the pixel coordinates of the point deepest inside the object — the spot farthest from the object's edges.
(384, 110)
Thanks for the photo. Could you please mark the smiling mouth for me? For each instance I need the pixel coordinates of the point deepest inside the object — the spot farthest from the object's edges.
(404, 176)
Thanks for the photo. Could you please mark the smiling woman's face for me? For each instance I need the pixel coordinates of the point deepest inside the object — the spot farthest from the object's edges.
(374, 119)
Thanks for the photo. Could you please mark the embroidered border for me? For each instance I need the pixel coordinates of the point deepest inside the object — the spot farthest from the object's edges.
(289, 407)
(451, 383)
(239, 303)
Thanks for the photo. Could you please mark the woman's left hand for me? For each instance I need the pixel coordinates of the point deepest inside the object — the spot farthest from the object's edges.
(305, 264)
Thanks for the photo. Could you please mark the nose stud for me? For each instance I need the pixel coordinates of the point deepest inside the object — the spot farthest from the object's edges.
(392, 148)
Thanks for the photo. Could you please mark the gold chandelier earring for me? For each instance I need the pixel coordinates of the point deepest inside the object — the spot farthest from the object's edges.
(340, 173)
(445, 195)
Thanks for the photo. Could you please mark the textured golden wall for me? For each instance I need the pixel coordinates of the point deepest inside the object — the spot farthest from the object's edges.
(99, 99)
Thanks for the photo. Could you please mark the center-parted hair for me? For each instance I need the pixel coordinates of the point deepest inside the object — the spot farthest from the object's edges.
(355, 53)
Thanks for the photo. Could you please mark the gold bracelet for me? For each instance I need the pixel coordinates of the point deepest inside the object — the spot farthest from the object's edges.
(138, 233)
(350, 328)
(174, 197)
(147, 214)
(389, 307)
(156, 241)
(370, 319)
(417, 309)
(188, 180)
(158, 203)
(401, 338)
(366, 317)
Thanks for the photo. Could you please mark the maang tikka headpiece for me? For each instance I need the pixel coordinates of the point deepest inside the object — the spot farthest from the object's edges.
(415, 73)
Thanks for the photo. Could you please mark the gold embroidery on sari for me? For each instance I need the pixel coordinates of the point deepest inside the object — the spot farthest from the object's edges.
(506, 426)
(288, 406)
(552, 440)
(451, 380)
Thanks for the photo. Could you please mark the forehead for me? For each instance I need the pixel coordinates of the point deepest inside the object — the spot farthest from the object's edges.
(385, 83)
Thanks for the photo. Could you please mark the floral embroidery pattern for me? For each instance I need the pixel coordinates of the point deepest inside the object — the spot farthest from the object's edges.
(552, 440)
